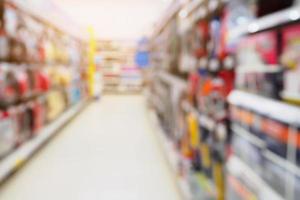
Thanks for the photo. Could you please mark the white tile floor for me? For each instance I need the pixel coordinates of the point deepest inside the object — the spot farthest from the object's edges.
(109, 152)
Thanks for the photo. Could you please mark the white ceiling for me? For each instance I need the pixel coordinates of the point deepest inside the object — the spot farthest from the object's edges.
(115, 19)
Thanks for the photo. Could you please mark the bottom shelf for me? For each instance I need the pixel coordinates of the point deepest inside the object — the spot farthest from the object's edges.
(16, 159)
(238, 168)
(171, 156)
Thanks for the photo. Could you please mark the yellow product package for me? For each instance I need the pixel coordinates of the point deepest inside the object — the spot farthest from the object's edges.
(193, 130)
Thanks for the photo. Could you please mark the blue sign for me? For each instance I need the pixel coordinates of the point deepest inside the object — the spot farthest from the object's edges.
(142, 59)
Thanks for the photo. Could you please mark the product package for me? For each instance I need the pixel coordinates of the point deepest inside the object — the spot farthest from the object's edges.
(39, 111)
(269, 84)
(25, 122)
(9, 92)
(259, 71)
(56, 104)
(259, 49)
(290, 60)
(8, 137)
(193, 88)
(202, 37)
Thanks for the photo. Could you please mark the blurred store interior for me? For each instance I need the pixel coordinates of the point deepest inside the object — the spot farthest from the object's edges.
(150, 100)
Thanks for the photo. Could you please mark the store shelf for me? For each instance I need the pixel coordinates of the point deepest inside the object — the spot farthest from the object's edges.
(173, 80)
(54, 17)
(248, 136)
(202, 187)
(207, 189)
(196, 10)
(171, 11)
(291, 97)
(172, 157)
(15, 160)
(277, 110)
(238, 168)
(204, 120)
(283, 163)
(270, 21)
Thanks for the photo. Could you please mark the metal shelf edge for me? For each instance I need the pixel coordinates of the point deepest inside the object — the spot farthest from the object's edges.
(15, 160)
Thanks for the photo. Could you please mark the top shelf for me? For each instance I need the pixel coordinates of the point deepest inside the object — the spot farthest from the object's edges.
(55, 16)
(267, 22)
(174, 7)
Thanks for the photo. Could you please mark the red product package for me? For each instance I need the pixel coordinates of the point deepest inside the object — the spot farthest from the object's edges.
(222, 50)
(202, 31)
(39, 113)
(193, 87)
(228, 77)
(291, 46)
(262, 46)
(23, 82)
(290, 59)
(44, 82)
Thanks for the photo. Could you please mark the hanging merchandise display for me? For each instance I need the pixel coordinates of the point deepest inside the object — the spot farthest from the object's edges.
(238, 136)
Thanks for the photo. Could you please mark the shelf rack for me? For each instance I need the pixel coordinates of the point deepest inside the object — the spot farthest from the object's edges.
(237, 167)
(54, 18)
(171, 155)
(15, 160)
(273, 20)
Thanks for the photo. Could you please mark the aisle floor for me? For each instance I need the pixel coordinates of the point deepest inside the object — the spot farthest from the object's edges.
(109, 152)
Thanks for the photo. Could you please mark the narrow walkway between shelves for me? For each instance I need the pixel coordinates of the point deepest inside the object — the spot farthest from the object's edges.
(107, 153)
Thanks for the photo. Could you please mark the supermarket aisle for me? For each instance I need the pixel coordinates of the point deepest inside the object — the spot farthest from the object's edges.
(107, 153)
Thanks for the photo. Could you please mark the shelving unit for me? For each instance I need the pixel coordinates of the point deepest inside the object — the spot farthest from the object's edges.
(172, 157)
(55, 17)
(14, 161)
(117, 68)
(240, 169)
(207, 107)
(172, 80)
(43, 78)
